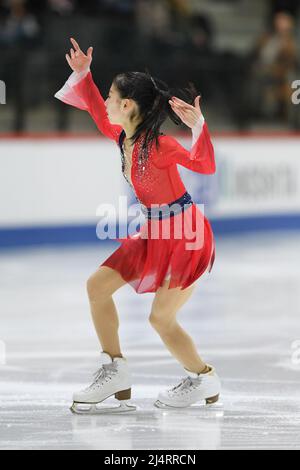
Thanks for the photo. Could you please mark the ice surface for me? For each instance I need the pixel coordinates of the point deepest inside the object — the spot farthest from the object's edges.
(244, 320)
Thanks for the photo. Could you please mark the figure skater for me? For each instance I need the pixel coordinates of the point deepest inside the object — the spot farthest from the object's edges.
(132, 114)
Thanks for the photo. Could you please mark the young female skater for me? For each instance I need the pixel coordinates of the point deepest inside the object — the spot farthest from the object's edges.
(132, 115)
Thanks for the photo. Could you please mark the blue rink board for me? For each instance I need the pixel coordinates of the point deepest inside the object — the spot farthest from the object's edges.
(73, 234)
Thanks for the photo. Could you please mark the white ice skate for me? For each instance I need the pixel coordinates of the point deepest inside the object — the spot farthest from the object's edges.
(113, 378)
(192, 389)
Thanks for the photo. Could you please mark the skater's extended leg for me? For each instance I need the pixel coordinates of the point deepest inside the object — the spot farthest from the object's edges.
(165, 306)
(100, 287)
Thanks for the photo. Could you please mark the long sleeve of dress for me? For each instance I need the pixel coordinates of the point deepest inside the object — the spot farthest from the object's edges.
(81, 92)
(200, 158)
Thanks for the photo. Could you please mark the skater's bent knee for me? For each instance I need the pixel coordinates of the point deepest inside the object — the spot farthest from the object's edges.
(94, 289)
(97, 286)
(162, 320)
(103, 283)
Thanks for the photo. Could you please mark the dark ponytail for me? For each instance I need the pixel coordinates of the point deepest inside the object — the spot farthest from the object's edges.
(152, 97)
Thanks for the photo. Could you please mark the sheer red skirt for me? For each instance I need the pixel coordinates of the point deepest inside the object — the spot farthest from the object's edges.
(179, 248)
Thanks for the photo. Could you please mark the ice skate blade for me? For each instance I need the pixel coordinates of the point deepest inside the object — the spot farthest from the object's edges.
(207, 404)
(92, 409)
(159, 404)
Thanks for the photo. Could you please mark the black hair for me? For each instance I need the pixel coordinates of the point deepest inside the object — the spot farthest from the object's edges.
(152, 97)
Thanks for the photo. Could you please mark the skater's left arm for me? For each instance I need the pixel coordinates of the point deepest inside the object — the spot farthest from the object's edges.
(201, 157)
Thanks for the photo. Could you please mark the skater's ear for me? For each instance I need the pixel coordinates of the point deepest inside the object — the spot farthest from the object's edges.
(128, 104)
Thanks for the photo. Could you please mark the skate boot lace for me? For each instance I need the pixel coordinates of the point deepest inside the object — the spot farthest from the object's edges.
(103, 373)
(187, 383)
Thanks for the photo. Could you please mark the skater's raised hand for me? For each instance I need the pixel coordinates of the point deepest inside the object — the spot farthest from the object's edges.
(188, 113)
(78, 60)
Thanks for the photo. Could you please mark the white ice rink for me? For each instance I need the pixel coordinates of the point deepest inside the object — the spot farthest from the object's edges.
(244, 320)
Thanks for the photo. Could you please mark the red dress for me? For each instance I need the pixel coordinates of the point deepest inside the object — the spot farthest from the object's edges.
(143, 260)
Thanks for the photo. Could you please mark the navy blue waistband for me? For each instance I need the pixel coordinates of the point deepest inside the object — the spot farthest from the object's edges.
(168, 210)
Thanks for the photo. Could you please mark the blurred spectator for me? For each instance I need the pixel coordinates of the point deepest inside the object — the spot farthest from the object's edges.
(162, 26)
(152, 18)
(180, 12)
(18, 26)
(163, 21)
(201, 33)
(198, 53)
(19, 34)
(274, 63)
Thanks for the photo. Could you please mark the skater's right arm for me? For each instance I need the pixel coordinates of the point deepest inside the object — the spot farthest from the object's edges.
(81, 91)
